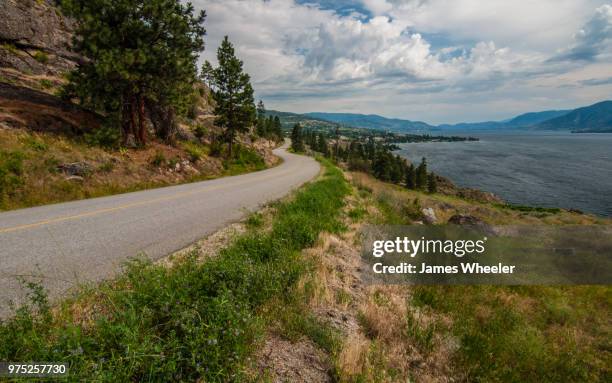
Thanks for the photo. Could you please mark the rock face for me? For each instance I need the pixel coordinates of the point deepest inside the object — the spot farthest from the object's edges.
(35, 37)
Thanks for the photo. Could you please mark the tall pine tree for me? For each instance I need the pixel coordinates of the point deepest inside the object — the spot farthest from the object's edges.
(233, 94)
(139, 56)
(297, 140)
(421, 175)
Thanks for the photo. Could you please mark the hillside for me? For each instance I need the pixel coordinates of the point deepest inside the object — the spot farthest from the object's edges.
(54, 150)
(373, 121)
(594, 118)
(533, 118)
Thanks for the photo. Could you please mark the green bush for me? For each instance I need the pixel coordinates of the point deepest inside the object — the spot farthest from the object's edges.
(106, 136)
(195, 151)
(216, 148)
(200, 131)
(11, 170)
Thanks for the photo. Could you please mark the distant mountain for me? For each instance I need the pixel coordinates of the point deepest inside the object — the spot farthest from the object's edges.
(533, 118)
(521, 121)
(596, 118)
(485, 125)
(373, 121)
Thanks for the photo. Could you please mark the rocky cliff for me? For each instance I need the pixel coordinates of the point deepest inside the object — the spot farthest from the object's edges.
(34, 42)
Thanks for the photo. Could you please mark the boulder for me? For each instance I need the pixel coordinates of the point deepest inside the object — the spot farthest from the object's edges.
(464, 219)
(79, 169)
(429, 216)
(472, 222)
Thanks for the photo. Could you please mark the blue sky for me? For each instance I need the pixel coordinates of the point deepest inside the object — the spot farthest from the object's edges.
(439, 61)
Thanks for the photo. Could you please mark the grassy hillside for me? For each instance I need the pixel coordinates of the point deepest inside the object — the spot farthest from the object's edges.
(42, 168)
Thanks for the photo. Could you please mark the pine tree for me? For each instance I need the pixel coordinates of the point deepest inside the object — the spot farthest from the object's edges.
(322, 145)
(410, 177)
(432, 183)
(233, 93)
(139, 56)
(207, 73)
(261, 120)
(421, 175)
(277, 127)
(297, 142)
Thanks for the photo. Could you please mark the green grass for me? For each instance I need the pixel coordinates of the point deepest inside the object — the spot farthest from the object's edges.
(528, 333)
(195, 320)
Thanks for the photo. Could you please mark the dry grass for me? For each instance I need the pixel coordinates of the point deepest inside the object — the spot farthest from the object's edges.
(111, 171)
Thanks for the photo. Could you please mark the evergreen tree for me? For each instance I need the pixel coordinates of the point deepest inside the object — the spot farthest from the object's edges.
(277, 127)
(382, 167)
(233, 93)
(397, 170)
(421, 175)
(297, 143)
(322, 145)
(411, 177)
(139, 56)
(207, 73)
(432, 183)
(261, 120)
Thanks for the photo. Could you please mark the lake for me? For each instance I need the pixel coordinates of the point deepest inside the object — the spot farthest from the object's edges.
(536, 169)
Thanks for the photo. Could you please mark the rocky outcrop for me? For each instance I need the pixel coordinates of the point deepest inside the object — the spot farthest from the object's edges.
(35, 38)
(27, 108)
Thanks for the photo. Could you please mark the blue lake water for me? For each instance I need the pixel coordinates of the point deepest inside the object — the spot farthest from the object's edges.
(537, 169)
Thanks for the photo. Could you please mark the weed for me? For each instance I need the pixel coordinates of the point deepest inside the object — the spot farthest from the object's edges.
(255, 220)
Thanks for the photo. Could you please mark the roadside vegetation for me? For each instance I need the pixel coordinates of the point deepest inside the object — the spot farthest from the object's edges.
(194, 320)
(43, 168)
(467, 333)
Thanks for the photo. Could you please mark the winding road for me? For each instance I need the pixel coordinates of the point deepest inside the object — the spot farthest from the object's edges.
(86, 241)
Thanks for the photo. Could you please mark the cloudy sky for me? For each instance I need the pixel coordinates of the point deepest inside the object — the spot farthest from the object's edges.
(439, 61)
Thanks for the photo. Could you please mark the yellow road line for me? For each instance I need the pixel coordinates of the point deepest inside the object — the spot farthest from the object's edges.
(126, 206)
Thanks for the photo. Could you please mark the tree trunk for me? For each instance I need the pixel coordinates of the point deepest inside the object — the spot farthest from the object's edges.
(142, 129)
(230, 143)
(125, 120)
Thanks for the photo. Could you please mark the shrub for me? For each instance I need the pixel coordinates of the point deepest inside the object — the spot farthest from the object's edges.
(36, 144)
(158, 159)
(106, 136)
(216, 148)
(41, 57)
(45, 84)
(11, 170)
(195, 151)
(200, 131)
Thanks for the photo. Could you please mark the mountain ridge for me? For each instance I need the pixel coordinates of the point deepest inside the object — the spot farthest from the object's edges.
(592, 118)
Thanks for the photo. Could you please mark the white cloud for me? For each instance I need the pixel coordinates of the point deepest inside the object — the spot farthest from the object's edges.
(594, 39)
(410, 54)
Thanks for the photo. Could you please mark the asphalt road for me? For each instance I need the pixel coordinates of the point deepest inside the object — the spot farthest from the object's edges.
(82, 241)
